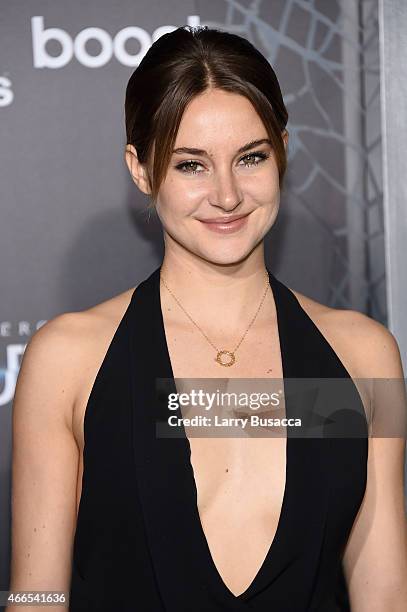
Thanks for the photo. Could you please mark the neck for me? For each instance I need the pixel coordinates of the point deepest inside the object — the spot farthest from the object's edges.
(219, 297)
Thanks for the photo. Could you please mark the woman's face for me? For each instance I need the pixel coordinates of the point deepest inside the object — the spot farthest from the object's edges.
(219, 181)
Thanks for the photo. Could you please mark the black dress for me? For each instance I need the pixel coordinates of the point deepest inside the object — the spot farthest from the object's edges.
(139, 543)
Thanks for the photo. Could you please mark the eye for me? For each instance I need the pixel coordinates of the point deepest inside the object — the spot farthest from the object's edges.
(187, 164)
(260, 154)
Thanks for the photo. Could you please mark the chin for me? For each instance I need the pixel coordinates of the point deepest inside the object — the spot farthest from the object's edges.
(226, 259)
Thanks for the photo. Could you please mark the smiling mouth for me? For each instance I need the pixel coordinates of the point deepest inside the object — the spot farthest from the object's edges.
(226, 226)
(224, 220)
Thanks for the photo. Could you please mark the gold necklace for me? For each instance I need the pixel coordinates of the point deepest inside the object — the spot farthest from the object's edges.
(220, 352)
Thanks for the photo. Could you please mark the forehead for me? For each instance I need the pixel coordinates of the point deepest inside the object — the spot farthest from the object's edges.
(219, 116)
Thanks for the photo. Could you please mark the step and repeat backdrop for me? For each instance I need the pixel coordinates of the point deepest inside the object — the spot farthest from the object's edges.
(73, 226)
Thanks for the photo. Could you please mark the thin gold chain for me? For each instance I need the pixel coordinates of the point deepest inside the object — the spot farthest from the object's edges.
(220, 352)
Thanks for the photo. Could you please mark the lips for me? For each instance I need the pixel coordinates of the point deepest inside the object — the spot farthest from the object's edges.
(224, 220)
(226, 225)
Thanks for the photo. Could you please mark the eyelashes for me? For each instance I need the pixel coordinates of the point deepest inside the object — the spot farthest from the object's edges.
(183, 166)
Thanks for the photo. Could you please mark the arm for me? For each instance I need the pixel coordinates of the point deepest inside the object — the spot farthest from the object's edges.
(45, 460)
(375, 559)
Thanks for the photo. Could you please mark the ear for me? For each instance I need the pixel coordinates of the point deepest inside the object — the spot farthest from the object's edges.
(137, 170)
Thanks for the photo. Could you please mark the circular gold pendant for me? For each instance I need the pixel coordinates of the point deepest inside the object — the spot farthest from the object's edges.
(231, 358)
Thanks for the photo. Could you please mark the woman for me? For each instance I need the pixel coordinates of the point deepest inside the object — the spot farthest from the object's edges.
(203, 523)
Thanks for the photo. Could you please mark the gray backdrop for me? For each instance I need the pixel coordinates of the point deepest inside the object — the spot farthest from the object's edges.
(73, 228)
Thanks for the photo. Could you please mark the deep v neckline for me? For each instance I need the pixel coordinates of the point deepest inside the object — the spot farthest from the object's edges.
(263, 571)
(138, 524)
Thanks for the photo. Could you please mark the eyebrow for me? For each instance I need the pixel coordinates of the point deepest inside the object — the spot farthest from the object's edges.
(243, 149)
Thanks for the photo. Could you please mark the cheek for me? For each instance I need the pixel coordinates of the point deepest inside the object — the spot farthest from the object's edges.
(172, 209)
(264, 190)
(180, 194)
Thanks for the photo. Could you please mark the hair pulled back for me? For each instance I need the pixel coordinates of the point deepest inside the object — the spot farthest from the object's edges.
(183, 64)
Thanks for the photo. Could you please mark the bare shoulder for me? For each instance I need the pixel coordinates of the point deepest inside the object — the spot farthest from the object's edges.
(73, 330)
(88, 324)
(67, 347)
(366, 347)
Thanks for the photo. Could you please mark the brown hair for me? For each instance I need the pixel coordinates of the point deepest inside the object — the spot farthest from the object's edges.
(182, 64)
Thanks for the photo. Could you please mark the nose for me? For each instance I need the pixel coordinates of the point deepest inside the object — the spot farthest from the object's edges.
(226, 192)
